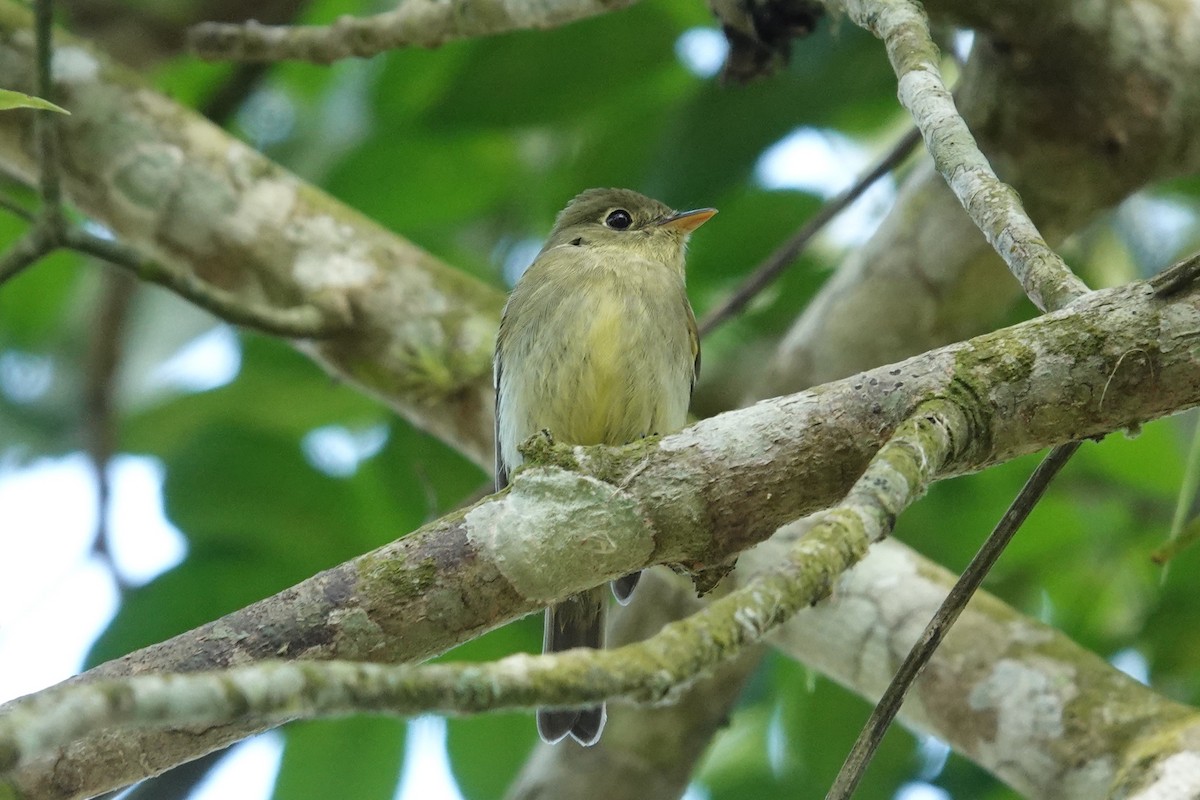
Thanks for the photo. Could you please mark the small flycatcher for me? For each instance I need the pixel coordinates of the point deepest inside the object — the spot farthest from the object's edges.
(597, 345)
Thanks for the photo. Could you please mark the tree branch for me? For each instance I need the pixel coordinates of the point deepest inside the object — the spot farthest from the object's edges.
(651, 671)
(423, 23)
(1018, 697)
(1115, 359)
(992, 204)
(927, 277)
(179, 190)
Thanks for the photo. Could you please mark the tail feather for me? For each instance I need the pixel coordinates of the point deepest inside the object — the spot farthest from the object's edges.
(622, 588)
(578, 621)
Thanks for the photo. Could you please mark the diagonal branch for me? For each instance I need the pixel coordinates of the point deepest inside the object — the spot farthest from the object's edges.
(183, 193)
(423, 23)
(274, 692)
(786, 253)
(694, 498)
(992, 204)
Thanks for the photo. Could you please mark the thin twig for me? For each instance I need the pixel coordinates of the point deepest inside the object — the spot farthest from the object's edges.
(48, 222)
(101, 372)
(45, 123)
(305, 321)
(16, 209)
(25, 252)
(421, 23)
(885, 711)
(774, 265)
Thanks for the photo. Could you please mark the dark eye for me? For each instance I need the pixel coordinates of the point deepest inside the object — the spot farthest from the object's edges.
(618, 219)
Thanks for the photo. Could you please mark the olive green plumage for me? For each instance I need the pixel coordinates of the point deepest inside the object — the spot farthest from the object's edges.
(597, 345)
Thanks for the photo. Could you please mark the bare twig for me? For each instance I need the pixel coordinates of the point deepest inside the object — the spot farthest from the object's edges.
(992, 204)
(774, 265)
(302, 321)
(26, 251)
(885, 711)
(48, 223)
(45, 123)
(100, 379)
(424, 23)
(16, 209)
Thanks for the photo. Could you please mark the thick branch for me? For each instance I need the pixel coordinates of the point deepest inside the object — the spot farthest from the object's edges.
(1019, 698)
(172, 185)
(653, 670)
(1115, 359)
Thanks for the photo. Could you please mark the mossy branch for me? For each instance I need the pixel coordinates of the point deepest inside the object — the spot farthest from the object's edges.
(649, 671)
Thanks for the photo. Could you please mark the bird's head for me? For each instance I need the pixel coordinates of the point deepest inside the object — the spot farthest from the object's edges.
(624, 220)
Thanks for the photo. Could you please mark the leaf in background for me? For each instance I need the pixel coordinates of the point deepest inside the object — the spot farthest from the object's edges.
(813, 723)
(10, 100)
(35, 303)
(276, 389)
(575, 72)
(708, 147)
(442, 181)
(357, 758)
(487, 751)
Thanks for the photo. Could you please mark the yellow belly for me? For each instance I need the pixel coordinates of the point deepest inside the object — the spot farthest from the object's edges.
(600, 364)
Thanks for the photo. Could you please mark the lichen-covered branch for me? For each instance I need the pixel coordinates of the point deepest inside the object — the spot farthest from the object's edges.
(193, 199)
(1114, 359)
(991, 203)
(274, 692)
(646, 751)
(927, 277)
(1051, 719)
(422, 23)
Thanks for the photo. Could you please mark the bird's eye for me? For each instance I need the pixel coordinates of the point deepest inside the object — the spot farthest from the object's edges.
(618, 219)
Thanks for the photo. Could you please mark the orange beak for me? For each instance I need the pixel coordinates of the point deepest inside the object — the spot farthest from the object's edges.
(687, 221)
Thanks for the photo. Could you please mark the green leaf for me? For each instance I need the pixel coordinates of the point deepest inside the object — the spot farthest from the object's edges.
(356, 758)
(265, 394)
(567, 74)
(10, 99)
(487, 751)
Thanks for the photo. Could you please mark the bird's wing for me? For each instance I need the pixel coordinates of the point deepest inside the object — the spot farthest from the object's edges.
(501, 470)
(694, 338)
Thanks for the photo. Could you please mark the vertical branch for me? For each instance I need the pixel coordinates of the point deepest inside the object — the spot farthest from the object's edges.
(45, 122)
(100, 383)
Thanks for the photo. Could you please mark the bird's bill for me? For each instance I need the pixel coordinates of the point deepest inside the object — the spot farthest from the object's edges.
(687, 221)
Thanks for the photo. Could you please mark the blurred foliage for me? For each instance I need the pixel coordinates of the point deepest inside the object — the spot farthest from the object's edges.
(469, 150)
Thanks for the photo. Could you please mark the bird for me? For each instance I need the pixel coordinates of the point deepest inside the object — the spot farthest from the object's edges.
(597, 345)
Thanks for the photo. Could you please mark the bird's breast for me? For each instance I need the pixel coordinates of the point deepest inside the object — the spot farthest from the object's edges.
(606, 361)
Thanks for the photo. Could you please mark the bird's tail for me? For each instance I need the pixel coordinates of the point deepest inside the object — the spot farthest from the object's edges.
(578, 621)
